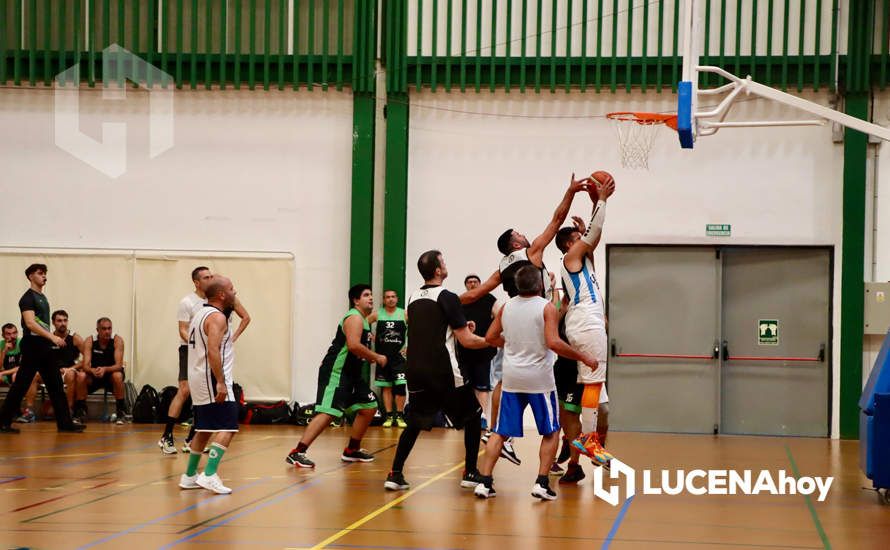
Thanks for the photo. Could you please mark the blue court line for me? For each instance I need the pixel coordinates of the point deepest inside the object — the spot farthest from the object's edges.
(168, 516)
(616, 523)
(302, 486)
(106, 456)
(10, 479)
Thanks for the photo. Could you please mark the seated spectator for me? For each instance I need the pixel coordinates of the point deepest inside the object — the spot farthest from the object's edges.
(103, 363)
(71, 368)
(10, 354)
(11, 361)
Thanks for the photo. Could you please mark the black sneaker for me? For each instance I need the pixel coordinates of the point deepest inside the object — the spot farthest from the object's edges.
(356, 455)
(543, 492)
(9, 430)
(565, 452)
(72, 428)
(471, 479)
(509, 453)
(395, 481)
(574, 474)
(299, 460)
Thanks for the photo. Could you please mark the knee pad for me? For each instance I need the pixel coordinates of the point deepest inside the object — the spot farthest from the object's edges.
(400, 389)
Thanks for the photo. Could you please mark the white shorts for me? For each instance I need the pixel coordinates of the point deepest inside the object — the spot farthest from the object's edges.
(588, 336)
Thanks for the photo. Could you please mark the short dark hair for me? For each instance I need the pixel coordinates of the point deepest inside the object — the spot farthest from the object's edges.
(356, 291)
(197, 270)
(428, 263)
(528, 281)
(101, 319)
(7, 326)
(563, 236)
(472, 276)
(34, 268)
(504, 241)
(58, 312)
(394, 291)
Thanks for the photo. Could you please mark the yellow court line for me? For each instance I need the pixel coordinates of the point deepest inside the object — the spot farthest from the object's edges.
(60, 456)
(384, 508)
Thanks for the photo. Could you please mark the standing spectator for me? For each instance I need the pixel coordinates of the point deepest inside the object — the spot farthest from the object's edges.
(36, 344)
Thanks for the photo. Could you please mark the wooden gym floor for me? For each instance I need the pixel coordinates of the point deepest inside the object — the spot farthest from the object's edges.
(111, 487)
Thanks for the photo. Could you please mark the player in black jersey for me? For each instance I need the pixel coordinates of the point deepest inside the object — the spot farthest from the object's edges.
(435, 382)
(390, 339)
(342, 388)
(67, 360)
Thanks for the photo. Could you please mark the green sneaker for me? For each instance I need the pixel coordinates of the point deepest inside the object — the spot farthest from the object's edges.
(388, 422)
(400, 421)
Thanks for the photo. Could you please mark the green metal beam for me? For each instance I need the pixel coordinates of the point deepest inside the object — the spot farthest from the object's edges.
(362, 219)
(395, 202)
(853, 268)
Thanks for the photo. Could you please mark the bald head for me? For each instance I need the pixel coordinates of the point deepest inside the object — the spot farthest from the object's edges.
(220, 292)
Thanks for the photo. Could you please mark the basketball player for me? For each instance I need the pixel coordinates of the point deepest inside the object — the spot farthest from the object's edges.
(527, 328)
(390, 340)
(435, 382)
(585, 317)
(568, 389)
(66, 359)
(190, 304)
(342, 388)
(518, 252)
(36, 342)
(103, 363)
(210, 373)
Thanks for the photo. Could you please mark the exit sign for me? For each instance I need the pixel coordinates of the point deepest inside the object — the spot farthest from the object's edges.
(718, 230)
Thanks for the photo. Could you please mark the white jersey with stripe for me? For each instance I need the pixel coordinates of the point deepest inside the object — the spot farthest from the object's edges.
(512, 263)
(202, 382)
(583, 291)
(528, 362)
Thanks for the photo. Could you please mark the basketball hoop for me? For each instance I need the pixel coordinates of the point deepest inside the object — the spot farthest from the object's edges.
(636, 133)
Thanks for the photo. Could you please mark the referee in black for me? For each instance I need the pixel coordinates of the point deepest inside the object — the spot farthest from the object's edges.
(37, 342)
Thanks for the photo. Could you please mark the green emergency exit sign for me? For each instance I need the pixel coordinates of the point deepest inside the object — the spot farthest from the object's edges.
(718, 230)
(768, 332)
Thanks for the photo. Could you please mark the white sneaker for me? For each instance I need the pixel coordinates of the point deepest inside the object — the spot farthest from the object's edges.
(212, 483)
(188, 482)
(543, 493)
(167, 446)
(482, 491)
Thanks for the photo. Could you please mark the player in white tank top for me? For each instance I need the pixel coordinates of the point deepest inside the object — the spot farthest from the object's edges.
(527, 327)
(211, 364)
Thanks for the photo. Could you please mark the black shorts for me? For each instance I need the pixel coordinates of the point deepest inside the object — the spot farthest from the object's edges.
(105, 382)
(342, 393)
(479, 373)
(459, 405)
(217, 417)
(393, 374)
(568, 390)
(183, 363)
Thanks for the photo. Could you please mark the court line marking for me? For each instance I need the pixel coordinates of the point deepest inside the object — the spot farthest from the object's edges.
(10, 479)
(235, 457)
(617, 523)
(82, 443)
(824, 537)
(343, 532)
(60, 497)
(140, 526)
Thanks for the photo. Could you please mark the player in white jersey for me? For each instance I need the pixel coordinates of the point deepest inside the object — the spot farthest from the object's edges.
(190, 304)
(210, 364)
(585, 317)
(527, 328)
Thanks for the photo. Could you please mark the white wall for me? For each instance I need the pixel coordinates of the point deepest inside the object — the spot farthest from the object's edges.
(472, 176)
(249, 171)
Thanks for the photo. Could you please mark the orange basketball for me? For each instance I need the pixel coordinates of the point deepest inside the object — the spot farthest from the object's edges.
(597, 178)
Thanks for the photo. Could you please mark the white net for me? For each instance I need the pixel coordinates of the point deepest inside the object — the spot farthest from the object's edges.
(635, 137)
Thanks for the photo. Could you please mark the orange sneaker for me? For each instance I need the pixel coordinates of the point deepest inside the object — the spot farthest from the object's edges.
(589, 445)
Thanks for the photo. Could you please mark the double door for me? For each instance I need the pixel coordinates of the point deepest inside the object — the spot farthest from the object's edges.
(720, 339)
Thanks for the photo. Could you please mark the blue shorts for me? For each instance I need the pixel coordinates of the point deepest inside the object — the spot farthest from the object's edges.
(544, 407)
(217, 417)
